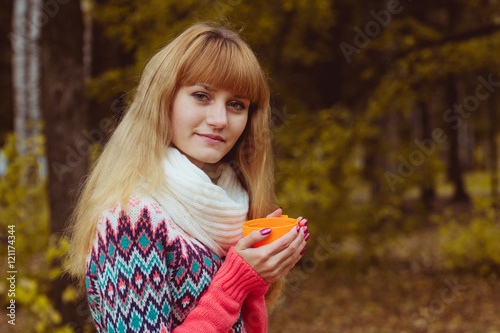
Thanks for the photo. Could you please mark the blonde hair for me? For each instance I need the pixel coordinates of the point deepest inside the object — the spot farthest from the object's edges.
(203, 53)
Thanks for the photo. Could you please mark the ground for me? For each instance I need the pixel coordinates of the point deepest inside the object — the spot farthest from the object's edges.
(385, 299)
(402, 286)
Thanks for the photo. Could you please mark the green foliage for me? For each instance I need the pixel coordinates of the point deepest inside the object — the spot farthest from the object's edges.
(23, 203)
(32, 291)
(313, 173)
(281, 32)
(320, 175)
(473, 244)
(403, 36)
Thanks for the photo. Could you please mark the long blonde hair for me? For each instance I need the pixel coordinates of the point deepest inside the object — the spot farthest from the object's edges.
(204, 53)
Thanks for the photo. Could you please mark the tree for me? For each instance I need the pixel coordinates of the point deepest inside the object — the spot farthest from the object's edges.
(6, 116)
(492, 141)
(65, 117)
(455, 167)
(25, 41)
(428, 192)
(64, 107)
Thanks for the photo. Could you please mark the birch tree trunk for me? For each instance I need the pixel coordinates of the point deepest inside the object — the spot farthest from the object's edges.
(34, 64)
(20, 44)
(25, 40)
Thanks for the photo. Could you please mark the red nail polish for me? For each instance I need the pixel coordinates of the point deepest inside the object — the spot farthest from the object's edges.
(278, 208)
(305, 222)
(307, 237)
(303, 250)
(297, 228)
(266, 231)
(305, 229)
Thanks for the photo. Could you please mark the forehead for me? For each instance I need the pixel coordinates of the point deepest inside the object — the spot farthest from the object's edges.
(224, 66)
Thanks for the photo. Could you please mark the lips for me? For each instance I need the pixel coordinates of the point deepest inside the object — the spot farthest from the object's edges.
(212, 138)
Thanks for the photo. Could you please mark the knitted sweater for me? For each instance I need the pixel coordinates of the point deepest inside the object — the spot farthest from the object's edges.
(145, 274)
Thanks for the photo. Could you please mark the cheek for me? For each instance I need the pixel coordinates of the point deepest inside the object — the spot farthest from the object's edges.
(184, 120)
(240, 125)
(177, 126)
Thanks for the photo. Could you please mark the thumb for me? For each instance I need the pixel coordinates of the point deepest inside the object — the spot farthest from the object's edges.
(277, 212)
(253, 237)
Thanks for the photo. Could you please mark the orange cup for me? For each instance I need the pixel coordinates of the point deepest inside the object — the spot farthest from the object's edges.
(279, 225)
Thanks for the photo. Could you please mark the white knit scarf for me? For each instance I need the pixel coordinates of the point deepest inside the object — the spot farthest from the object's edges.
(211, 213)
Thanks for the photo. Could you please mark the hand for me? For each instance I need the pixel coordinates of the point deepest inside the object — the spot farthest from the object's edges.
(273, 261)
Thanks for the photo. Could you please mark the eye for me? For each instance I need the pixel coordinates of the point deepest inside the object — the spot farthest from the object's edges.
(201, 96)
(237, 105)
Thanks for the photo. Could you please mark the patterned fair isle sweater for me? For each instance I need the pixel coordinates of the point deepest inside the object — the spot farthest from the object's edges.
(145, 274)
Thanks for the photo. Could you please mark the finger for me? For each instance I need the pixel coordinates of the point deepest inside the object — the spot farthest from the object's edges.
(253, 237)
(297, 256)
(277, 212)
(302, 222)
(292, 262)
(283, 268)
(292, 253)
(283, 242)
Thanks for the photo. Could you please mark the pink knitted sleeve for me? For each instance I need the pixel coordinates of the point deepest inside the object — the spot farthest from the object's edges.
(235, 284)
(255, 314)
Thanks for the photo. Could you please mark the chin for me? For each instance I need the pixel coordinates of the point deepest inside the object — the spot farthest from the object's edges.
(209, 158)
(212, 160)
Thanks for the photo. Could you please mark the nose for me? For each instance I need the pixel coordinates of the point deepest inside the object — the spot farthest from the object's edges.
(217, 116)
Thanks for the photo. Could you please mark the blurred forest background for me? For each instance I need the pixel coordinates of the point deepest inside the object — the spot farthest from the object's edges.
(385, 120)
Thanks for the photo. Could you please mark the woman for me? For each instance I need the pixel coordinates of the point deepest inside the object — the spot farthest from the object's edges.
(157, 232)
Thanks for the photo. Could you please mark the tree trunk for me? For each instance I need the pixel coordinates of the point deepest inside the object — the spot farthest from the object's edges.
(20, 44)
(64, 106)
(105, 53)
(6, 79)
(34, 104)
(492, 138)
(372, 166)
(455, 170)
(25, 41)
(65, 117)
(469, 146)
(428, 192)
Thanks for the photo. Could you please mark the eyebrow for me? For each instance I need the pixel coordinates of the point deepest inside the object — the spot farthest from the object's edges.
(209, 88)
(212, 89)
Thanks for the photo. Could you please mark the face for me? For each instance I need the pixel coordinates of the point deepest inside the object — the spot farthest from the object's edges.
(207, 122)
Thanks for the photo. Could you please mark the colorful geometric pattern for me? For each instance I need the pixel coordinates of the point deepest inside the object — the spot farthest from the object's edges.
(144, 274)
